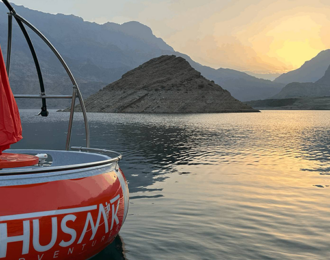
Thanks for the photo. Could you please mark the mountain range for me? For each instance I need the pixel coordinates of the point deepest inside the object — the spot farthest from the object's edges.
(319, 88)
(310, 71)
(307, 88)
(101, 54)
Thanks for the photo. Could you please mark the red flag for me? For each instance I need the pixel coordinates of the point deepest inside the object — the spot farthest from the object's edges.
(10, 122)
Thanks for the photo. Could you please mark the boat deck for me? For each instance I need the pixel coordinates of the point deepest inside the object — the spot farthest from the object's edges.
(62, 160)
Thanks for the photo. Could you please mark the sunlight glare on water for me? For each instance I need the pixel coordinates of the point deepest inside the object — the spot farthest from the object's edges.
(212, 186)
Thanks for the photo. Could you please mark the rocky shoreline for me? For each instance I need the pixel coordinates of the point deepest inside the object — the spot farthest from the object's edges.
(304, 103)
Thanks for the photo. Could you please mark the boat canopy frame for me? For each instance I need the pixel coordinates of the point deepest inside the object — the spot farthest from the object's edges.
(76, 93)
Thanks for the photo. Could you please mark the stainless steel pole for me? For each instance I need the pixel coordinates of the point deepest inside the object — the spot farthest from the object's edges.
(10, 29)
(73, 80)
(73, 102)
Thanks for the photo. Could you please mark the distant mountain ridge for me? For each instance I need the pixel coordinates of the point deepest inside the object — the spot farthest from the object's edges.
(241, 85)
(101, 54)
(320, 88)
(310, 71)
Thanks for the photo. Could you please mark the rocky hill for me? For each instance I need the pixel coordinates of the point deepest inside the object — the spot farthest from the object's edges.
(100, 54)
(318, 89)
(310, 71)
(167, 84)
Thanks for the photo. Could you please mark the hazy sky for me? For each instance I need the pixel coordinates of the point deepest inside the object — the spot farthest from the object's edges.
(262, 36)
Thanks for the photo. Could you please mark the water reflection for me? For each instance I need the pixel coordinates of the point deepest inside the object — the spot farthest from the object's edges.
(156, 146)
(219, 186)
(115, 251)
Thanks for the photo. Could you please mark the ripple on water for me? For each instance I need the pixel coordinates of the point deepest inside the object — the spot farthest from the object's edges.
(213, 186)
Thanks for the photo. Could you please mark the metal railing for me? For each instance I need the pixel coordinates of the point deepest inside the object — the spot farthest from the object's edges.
(106, 160)
(76, 91)
(98, 150)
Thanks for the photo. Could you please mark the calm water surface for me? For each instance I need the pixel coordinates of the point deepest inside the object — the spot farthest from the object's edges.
(212, 186)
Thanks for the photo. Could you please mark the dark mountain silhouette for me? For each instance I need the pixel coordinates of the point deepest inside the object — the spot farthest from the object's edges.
(100, 54)
(311, 71)
(241, 85)
(167, 84)
(318, 89)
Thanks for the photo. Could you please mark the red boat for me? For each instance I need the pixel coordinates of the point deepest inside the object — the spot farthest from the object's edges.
(58, 204)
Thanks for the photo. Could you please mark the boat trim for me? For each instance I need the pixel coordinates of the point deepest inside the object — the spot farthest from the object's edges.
(45, 177)
(25, 171)
(47, 213)
(125, 192)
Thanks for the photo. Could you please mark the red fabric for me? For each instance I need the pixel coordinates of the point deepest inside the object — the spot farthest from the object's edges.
(10, 122)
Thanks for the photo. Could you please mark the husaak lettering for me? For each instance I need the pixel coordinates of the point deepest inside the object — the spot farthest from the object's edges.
(63, 231)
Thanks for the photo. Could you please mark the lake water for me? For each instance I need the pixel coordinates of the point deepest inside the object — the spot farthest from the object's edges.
(212, 186)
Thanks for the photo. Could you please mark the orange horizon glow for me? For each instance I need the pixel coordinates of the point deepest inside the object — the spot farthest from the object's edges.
(257, 36)
(296, 40)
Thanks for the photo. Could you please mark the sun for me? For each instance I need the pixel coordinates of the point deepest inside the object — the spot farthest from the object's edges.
(296, 40)
(296, 53)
